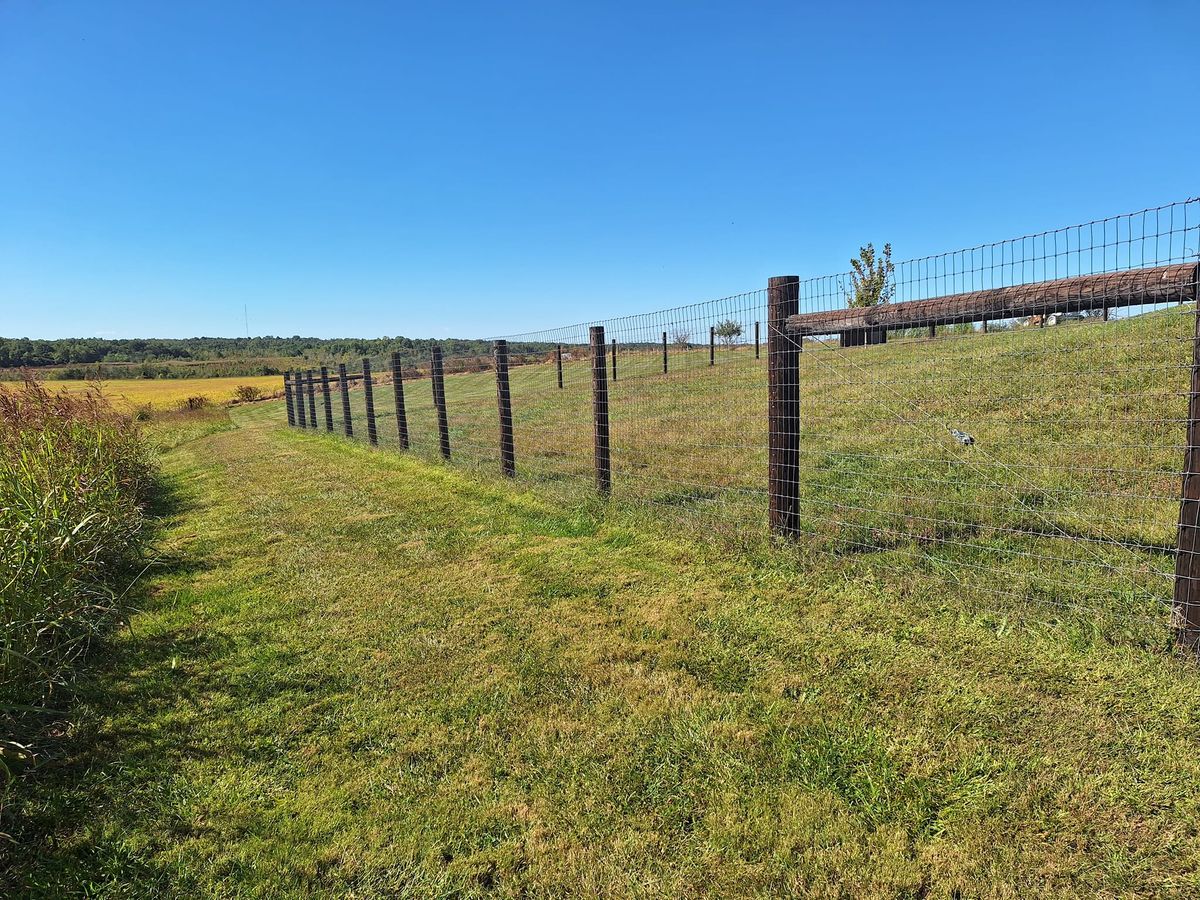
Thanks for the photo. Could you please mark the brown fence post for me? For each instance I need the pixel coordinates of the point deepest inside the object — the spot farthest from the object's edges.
(664, 353)
(312, 400)
(344, 383)
(398, 396)
(508, 453)
(325, 397)
(369, 398)
(712, 345)
(600, 411)
(437, 378)
(558, 362)
(1185, 612)
(298, 392)
(756, 340)
(933, 331)
(783, 405)
(1104, 314)
(287, 397)
(614, 359)
(985, 321)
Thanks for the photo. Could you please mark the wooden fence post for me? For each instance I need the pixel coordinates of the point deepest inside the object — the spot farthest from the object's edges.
(614, 359)
(287, 398)
(369, 398)
(664, 353)
(712, 345)
(1185, 612)
(344, 384)
(298, 391)
(325, 397)
(756, 356)
(933, 331)
(312, 400)
(437, 377)
(398, 396)
(508, 453)
(985, 321)
(783, 405)
(558, 362)
(600, 411)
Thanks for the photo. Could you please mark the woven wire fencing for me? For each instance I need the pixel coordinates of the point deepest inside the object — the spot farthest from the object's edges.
(1013, 422)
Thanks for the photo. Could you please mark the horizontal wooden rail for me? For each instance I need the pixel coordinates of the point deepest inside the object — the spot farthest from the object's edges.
(1134, 287)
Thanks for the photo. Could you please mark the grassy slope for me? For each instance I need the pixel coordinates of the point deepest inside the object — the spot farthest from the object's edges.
(1069, 498)
(360, 672)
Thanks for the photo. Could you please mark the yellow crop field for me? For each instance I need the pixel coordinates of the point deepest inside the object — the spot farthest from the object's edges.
(169, 393)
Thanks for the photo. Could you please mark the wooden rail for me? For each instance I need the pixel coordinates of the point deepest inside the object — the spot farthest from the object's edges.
(1135, 287)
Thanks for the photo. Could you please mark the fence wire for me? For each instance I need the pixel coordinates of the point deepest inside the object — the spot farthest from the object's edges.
(1032, 459)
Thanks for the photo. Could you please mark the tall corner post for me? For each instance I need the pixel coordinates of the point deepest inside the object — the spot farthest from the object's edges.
(783, 405)
(1185, 609)
(600, 412)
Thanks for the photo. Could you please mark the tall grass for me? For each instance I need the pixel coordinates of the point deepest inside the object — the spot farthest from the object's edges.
(74, 478)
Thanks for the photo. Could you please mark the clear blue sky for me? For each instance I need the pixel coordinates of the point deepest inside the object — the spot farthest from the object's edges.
(469, 169)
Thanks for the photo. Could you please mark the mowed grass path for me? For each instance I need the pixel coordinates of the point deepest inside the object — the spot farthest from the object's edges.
(363, 674)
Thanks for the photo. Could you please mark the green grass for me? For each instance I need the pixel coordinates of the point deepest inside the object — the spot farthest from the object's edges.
(360, 673)
(74, 476)
(1068, 499)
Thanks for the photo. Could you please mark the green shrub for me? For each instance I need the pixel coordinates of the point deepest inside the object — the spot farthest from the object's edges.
(74, 475)
(246, 393)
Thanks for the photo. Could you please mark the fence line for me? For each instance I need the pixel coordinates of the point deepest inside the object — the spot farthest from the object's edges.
(1013, 422)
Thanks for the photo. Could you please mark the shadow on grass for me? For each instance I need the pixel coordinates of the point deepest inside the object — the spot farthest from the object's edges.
(49, 813)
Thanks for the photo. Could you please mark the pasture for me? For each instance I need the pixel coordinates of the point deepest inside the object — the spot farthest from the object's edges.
(1067, 501)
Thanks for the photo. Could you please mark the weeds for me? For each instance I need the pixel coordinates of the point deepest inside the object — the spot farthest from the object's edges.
(73, 477)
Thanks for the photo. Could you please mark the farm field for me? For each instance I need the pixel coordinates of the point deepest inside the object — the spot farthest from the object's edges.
(362, 673)
(169, 393)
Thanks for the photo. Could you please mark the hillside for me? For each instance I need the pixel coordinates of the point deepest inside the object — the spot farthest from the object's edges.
(1067, 498)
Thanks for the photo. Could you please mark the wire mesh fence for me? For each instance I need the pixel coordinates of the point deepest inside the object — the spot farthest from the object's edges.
(1014, 421)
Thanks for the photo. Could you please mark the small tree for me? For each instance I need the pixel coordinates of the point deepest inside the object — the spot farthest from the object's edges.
(728, 331)
(871, 278)
(682, 338)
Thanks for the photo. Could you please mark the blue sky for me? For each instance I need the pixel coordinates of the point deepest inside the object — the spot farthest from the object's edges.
(470, 169)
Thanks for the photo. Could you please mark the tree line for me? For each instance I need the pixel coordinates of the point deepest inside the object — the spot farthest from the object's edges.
(156, 355)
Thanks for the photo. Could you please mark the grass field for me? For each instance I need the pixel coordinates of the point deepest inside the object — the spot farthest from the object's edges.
(169, 393)
(357, 673)
(1068, 498)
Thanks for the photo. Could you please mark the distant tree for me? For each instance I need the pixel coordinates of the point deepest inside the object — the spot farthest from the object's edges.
(728, 331)
(682, 338)
(871, 278)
